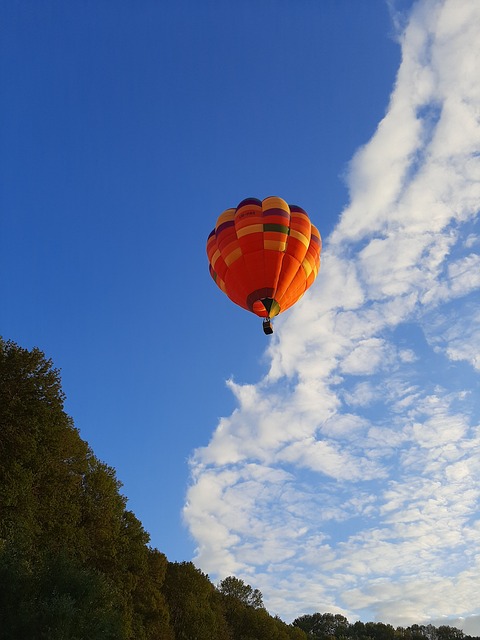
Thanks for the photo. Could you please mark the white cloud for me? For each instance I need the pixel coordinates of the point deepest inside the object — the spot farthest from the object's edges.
(346, 480)
(367, 356)
(456, 332)
(362, 395)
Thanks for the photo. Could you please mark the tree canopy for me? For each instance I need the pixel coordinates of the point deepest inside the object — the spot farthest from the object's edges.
(329, 626)
(74, 561)
(232, 587)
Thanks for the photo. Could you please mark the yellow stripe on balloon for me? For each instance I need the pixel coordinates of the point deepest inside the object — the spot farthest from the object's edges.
(215, 257)
(232, 256)
(253, 228)
(275, 245)
(274, 202)
(299, 236)
(307, 267)
(226, 216)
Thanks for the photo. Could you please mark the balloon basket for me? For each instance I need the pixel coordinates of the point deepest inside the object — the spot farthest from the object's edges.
(267, 327)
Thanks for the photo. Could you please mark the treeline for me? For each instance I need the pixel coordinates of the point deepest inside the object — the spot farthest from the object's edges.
(328, 626)
(76, 564)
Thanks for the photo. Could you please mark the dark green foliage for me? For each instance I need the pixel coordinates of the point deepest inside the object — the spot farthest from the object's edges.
(325, 626)
(246, 615)
(429, 632)
(232, 587)
(62, 517)
(150, 601)
(54, 597)
(43, 459)
(195, 609)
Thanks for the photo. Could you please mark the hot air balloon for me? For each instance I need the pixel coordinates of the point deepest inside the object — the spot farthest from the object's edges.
(264, 255)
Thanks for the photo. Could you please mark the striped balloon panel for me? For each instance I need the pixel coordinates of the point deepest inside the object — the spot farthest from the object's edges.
(216, 262)
(297, 246)
(262, 229)
(306, 274)
(264, 254)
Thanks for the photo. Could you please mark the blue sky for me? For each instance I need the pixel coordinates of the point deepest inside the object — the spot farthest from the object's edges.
(335, 466)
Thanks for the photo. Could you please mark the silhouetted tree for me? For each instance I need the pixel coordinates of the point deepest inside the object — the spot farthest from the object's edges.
(54, 597)
(195, 609)
(62, 514)
(232, 587)
(323, 625)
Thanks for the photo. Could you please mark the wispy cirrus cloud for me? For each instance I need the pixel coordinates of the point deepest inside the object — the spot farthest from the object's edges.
(347, 479)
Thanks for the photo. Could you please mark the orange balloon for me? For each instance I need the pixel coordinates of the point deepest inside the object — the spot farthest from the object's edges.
(264, 255)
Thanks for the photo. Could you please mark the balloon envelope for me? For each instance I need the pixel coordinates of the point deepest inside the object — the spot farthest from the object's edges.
(264, 254)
